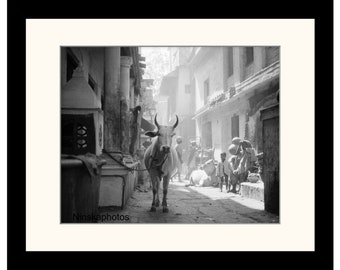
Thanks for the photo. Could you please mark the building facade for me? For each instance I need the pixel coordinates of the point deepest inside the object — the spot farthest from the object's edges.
(218, 93)
(101, 112)
(177, 90)
(232, 85)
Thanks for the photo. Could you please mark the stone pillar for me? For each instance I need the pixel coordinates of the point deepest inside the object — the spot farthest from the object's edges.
(246, 128)
(111, 100)
(125, 64)
(134, 116)
(139, 124)
(238, 64)
(132, 93)
(225, 67)
(259, 58)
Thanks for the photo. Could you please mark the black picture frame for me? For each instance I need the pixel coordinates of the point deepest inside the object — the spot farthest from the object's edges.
(323, 15)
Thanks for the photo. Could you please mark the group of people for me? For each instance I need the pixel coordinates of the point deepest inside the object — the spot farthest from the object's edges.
(191, 162)
(229, 172)
(235, 170)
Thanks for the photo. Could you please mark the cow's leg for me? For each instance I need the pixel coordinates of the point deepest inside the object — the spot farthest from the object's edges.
(165, 192)
(157, 189)
(154, 181)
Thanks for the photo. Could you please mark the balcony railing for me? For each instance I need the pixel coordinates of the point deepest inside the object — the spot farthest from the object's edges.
(216, 97)
(257, 79)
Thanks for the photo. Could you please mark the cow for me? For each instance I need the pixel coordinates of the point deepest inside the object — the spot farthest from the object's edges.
(161, 161)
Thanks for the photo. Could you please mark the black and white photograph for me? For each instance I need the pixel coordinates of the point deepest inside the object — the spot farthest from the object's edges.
(166, 129)
(160, 140)
(170, 134)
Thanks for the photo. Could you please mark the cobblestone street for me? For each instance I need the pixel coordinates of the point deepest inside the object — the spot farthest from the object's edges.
(194, 205)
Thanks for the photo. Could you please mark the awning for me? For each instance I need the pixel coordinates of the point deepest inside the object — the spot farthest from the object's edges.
(146, 125)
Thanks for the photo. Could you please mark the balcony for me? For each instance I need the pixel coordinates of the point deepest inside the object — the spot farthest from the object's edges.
(221, 98)
(216, 97)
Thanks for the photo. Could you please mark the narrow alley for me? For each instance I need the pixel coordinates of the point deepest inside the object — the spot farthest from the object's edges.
(205, 112)
(190, 205)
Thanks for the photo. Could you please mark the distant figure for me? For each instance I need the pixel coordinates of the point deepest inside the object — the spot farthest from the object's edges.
(191, 163)
(210, 168)
(246, 155)
(179, 150)
(233, 163)
(222, 172)
(240, 161)
(199, 178)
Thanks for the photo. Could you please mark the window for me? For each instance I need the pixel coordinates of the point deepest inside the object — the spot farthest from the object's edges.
(187, 89)
(206, 91)
(235, 131)
(249, 55)
(72, 64)
(77, 134)
(230, 61)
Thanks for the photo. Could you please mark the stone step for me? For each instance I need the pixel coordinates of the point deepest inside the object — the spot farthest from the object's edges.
(116, 186)
(253, 190)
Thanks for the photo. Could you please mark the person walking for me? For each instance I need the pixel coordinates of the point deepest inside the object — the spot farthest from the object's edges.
(191, 162)
(179, 150)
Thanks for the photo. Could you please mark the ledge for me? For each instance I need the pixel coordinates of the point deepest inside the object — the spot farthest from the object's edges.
(253, 190)
(255, 81)
(69, 163)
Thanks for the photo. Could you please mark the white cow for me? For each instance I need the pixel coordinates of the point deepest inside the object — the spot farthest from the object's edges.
(161, 161)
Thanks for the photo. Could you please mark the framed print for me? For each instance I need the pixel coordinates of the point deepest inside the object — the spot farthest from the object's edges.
(142, 137)
(262, 65)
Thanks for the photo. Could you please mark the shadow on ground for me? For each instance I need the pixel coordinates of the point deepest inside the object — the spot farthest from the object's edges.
(188, 205)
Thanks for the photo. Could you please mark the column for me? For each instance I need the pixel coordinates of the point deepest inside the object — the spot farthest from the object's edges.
(259, 58)
(132, 93)
(225, 67)
(125, 65)
(139, 123)
(238, 64)
(246, 127)
(134, 117)
(111, 100)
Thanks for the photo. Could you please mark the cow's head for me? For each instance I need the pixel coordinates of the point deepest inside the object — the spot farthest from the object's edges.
(164, 134)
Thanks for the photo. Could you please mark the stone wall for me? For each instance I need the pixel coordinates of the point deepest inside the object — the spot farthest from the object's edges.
(211, 67)
(183, 98)
(246, 107)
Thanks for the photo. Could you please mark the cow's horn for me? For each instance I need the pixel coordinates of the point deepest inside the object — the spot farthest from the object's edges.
(175, 125)
(157, 125)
